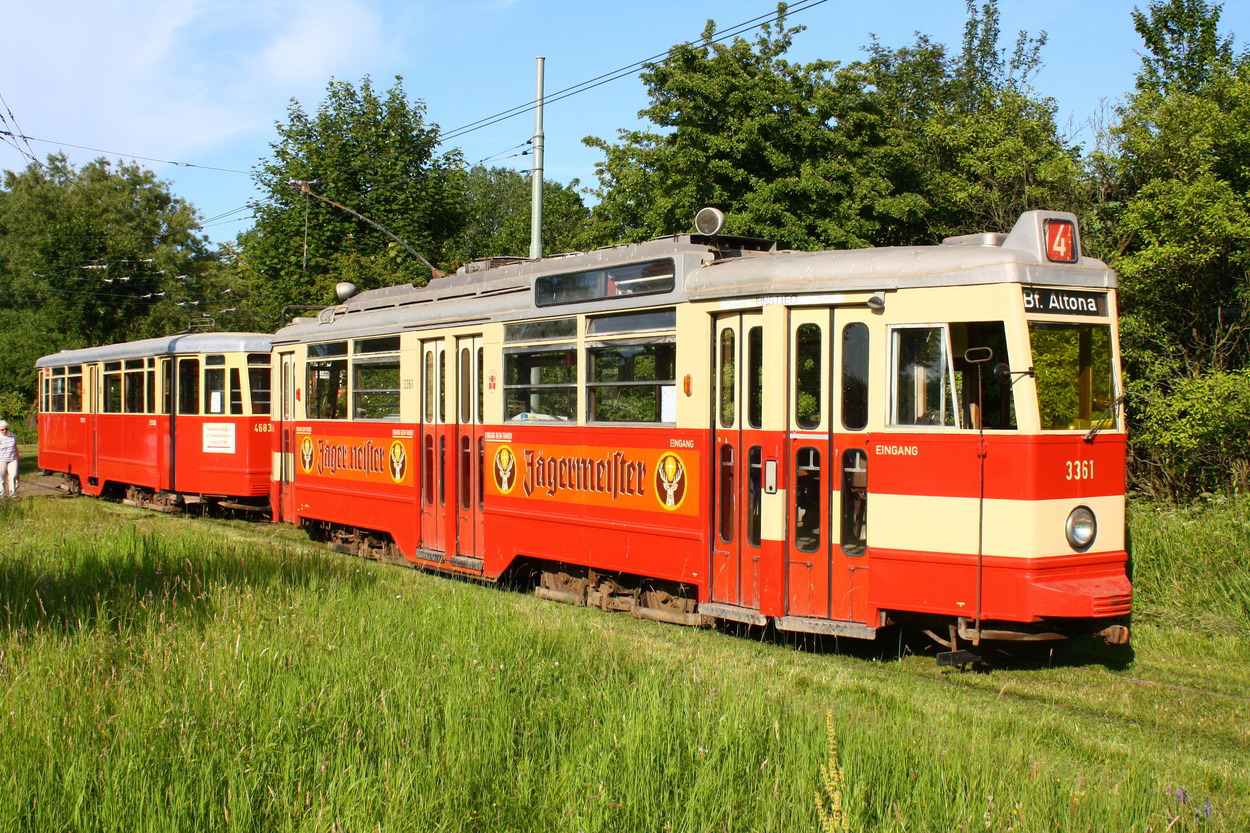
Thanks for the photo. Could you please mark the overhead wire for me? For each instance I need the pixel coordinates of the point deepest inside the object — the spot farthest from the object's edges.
(29, 139)
(617, 74)
(29, 151)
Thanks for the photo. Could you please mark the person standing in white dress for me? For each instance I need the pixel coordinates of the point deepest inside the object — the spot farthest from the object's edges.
(8, 459)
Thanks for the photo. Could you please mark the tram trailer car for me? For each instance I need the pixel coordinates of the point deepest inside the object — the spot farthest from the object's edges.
(162, 423)
(701, 427)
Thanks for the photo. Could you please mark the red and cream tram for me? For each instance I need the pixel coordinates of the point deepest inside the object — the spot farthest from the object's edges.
(702, 427)
(161, 422)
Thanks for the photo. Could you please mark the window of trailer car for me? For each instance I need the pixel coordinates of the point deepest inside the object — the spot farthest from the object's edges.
(631, 367)
(326, 381)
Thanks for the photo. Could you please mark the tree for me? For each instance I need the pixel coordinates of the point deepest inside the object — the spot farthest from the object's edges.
(89, 256)
(372, 153)
(956, 143)
(498, 213)
(741, 128)
(910, 145)
(1176, 226)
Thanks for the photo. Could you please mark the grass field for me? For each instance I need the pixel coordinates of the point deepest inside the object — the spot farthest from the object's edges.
(162, 674)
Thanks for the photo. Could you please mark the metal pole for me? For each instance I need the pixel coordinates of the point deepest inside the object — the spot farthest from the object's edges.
(536, 182)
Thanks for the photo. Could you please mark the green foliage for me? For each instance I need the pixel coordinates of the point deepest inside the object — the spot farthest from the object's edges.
(911, 145)
(373, 153)
(1195, 433)
(1185, 47)
(498, 216)
(90, 256)
(1174, 220)
(738, 127)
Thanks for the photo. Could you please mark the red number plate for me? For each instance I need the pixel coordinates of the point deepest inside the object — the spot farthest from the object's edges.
(1060, 241)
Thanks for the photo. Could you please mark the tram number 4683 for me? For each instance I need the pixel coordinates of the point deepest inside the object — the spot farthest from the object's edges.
(1080, 470)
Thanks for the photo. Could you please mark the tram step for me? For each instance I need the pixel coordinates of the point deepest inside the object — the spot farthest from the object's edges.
(827, 627)
(466, 562)
(734, 613)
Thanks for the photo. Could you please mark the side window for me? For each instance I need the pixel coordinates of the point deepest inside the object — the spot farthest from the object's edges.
(151, 386)
(54, 390)
(132, 386)
(728, 350)
(984, 400)
(540, 384)
(258, 382)
(375, 378)
(112, 388)
(807, 376)
(855, 377)
(755, 377)
(214, 390)
(632, 383)
(807, 491)
(428, 377)
(188, 386)
(236, 392)
(922, 391)
(73, 389)
(326, 385)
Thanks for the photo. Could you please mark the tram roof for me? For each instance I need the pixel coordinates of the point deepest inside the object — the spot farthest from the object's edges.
(184, 344)
(706, 268)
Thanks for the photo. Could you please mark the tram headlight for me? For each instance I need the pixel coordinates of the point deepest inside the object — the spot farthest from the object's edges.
(1081, 528)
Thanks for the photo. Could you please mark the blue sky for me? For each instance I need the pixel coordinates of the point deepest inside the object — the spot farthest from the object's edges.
(204, 81)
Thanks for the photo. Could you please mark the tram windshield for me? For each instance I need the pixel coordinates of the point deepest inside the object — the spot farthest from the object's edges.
(1075, 375)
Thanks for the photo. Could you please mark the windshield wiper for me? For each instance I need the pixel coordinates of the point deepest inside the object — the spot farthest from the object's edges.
(1107, 414)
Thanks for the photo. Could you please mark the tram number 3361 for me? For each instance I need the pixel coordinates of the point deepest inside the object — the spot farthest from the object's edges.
(1080, 470)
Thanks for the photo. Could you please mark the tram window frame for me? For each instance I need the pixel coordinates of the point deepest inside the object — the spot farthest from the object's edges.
(754, 380)
(216, 392)
(55, 387)
(631, 279)
(856, 383)
(809, 375)
(375, 379)
(947, 411)
(1095, 380)
(189, 386)
(615, 393)
(548, 329)
(561, 392)
(111, 388)
(132, 387)
(997, 405)
(260, 383)
(727, 375)
(326, 381)
(73, 389)
(236, 393)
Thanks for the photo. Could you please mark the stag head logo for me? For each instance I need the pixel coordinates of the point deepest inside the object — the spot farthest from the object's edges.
(306, 454)
(670, 481)
(398, 461)
(505, 469)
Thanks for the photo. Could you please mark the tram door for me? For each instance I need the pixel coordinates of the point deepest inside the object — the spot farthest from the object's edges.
(737, 465)
(808, 550)
(93, 409)
(286, 432)
(827, 416)
(433, 444)
(470, 446)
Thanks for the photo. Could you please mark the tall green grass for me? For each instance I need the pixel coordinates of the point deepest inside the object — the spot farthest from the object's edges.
(1192, 564)
(170, 674)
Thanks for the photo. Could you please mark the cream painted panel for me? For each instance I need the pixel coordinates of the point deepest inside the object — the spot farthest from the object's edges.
(1013, 528)
(773, 518)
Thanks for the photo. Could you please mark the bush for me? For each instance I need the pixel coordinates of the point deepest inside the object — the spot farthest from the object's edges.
(1194, 437)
